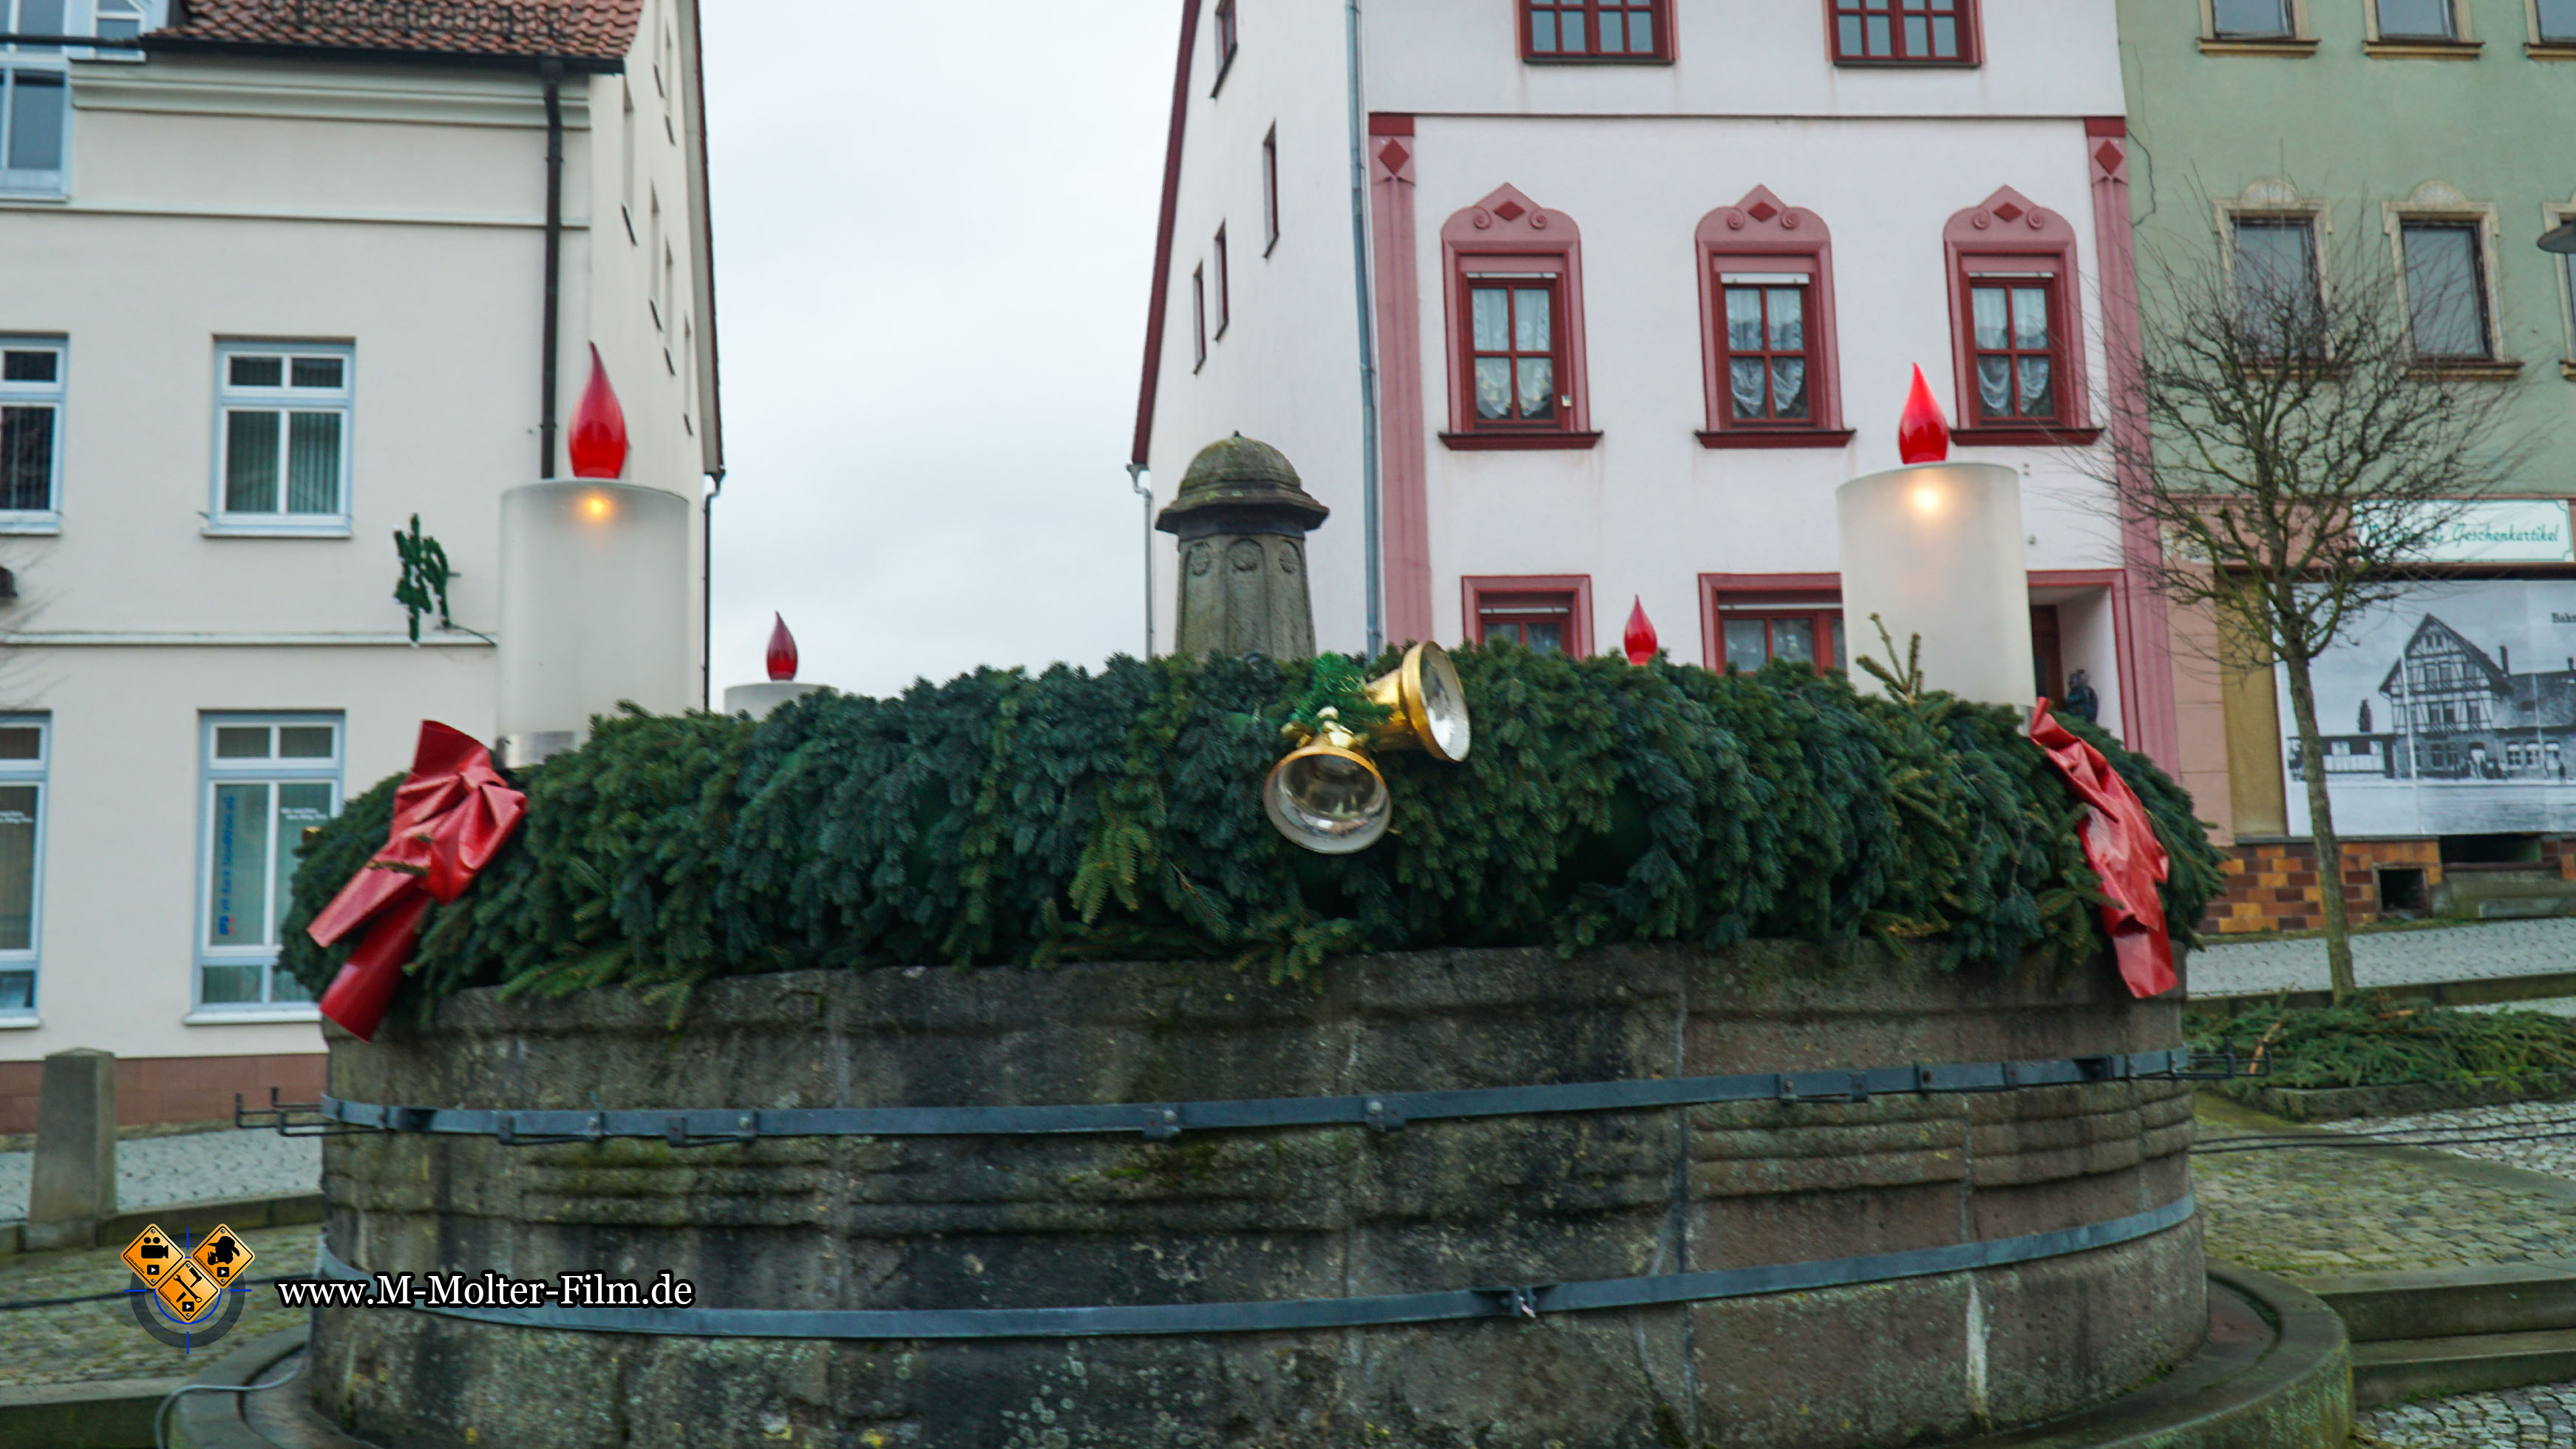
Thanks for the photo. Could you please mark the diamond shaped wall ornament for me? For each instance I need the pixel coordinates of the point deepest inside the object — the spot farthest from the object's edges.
(1394, 156)
(150, 1255)
(223, 1255)
(2008, 212)
(1510, 211)
(187, 1291)
(1763, 210)
(2108, 158)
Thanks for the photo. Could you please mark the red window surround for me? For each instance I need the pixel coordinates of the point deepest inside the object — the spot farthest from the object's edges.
(1776, 262)
(2016, 326)
(1270, 191)
(1225, 38)
(1512, 274)
(1903, 32)
(1517, 605)
(1793, 611)
(1224, 290)
(1629, 30)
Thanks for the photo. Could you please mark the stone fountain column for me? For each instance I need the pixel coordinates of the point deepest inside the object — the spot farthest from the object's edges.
(1241, 518)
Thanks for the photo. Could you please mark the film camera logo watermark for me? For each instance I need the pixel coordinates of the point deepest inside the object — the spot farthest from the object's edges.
(187, 1298)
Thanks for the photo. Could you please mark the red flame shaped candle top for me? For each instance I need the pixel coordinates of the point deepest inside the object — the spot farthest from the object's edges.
(598, 445)
(782, 651)
(1922, 435)
(1639, 641)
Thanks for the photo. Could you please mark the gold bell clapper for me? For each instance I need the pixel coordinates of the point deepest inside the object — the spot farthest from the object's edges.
(1327, 795)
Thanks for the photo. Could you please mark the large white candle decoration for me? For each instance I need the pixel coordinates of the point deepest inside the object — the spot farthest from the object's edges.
(1934, 549)
(594, 592)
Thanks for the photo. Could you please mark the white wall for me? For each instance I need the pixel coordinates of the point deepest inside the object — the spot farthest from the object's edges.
(1741, 58)
(396, 209)
(1648, 510)
(1287, 369)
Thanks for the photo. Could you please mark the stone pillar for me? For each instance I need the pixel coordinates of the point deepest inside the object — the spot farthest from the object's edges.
(75, 1170)
(1242, 520)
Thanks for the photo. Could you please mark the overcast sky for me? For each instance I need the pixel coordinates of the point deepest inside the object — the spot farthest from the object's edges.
(934, 234)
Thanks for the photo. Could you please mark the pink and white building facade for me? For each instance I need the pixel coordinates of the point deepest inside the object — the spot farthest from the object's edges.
(1630, 286)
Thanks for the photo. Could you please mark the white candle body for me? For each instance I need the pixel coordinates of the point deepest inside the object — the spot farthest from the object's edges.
(594, 609)
(1936, 549)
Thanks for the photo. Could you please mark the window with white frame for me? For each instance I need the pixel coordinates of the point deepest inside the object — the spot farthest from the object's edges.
(2280, 293)
(35, 100)
(282, 435)
(2447, 312)
(22, 841)
(32, 372)
(267, 778)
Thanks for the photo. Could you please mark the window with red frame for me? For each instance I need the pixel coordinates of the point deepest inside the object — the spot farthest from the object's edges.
(1540, 622)
(1513, 359)
(1918, 32)
(1597, 30)
(1224, 292)
(1225, 36)
(2016, 340)
(1270, 191)
(1198, 313)
(1770, 349)
(1751, 636)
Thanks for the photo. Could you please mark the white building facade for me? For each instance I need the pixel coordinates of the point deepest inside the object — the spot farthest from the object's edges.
(1643, 281)
(277, 282)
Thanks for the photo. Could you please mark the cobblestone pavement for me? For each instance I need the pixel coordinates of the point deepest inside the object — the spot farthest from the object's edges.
(2513, 1419)
(2388, 958)
(222, 1163)
(71, 1343)
(2550, 1126)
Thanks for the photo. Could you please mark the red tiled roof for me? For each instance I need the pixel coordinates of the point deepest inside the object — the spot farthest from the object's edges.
(571, 29)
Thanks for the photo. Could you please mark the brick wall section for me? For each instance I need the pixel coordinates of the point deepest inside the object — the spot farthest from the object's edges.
(2272, 885)
(174, 1089)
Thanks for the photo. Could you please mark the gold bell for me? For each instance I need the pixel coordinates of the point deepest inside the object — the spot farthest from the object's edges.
(1327, 795)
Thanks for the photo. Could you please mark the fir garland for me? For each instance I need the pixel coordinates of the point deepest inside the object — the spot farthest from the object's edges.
(1008, 818)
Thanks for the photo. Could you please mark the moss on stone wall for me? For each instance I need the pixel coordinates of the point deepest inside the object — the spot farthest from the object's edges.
(1004, 817)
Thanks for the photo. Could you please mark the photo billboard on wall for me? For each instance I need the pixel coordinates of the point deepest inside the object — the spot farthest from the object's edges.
(2449, 712)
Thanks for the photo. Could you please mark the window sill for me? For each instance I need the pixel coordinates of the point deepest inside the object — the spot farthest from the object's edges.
(2423, 49)
(1776, 438)
(2476, 369)
(277, 530)
(21, 1023)
(2287, 45)
(2025, 437)
(1596, 60)
(1868, 64)
(30, 525)
(251, 1015)
(2550, 49)
(1516, 442)
(2567, 370)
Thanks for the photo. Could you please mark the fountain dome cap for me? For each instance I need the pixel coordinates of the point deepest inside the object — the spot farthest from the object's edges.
(1235, 479)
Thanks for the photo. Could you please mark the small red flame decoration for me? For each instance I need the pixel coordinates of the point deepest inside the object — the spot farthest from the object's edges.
(1640, 638)
(1922, 435)
(782, 651)
(598, 445)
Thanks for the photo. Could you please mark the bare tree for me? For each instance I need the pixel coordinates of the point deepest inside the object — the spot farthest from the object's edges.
(2299, 426)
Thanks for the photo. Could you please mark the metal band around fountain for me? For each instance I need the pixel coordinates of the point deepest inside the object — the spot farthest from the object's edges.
(1280, 1315)
(1384, 1111)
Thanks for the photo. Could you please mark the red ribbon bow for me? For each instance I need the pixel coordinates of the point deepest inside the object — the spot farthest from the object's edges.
(450, 818)
(2120, 844)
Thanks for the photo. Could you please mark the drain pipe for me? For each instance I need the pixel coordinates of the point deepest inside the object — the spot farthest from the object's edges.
(1368, 351)
(553, 71)
(1145, 495)
(707, 594)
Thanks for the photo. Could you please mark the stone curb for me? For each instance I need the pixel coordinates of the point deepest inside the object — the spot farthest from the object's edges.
(213, 1420)
(104, 1414)
(244, 1213)
(2294, 1392)
(2215, 1108)
(2477, 991)
(2486, 1298)
(2402, 1099)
